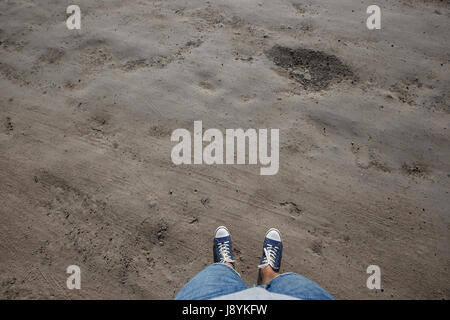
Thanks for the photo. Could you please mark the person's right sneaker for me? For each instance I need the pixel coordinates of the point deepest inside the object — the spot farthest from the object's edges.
(222, 248)
(272, 251)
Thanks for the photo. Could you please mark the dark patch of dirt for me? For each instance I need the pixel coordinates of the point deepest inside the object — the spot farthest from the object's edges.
(299, 8)
(439, 103)
(316, 247)
(12, 74)
(161, 231)
(159, 131)
(205, 201)
(405, 93)
(292, 206)
(206, 85)
(414, 169)
(98, 57)
(379, 166)
(132, 65)
(52, 55)
(314, 70)
(193, 220)
(9, 125)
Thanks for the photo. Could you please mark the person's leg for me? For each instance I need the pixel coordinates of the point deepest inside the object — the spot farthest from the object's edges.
(272, 252)
(215, 280)
(290, 284)
(219, 278)
(298, 286)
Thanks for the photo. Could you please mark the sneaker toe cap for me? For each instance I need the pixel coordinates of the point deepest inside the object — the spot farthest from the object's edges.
(274, 234)
(221, 232)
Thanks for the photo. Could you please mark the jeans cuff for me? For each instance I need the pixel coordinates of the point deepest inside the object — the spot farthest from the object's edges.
(224, 264)
(281, 275)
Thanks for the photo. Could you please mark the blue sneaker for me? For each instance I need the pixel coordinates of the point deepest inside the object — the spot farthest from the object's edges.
(272, 250)
(222, 249)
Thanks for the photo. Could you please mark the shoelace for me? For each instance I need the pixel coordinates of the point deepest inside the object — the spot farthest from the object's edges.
(224, 251)
(270, 254)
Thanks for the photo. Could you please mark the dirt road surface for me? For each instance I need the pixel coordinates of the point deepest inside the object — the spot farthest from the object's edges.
(86, 116)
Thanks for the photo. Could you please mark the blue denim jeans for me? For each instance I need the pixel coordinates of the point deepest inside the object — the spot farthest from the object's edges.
(220, 279)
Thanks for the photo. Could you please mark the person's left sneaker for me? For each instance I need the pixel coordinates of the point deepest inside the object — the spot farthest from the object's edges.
(222, 249)
(272, 250)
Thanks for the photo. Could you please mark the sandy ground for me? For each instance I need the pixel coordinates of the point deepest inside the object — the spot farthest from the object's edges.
(86, 116)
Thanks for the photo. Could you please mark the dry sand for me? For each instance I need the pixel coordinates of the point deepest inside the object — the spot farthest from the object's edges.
(86, 116)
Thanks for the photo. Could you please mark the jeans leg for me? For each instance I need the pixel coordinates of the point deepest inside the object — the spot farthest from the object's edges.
(298, 286)
(214, 281)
